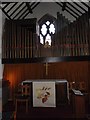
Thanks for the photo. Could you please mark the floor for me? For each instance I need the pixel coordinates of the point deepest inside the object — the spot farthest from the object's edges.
(61, 112)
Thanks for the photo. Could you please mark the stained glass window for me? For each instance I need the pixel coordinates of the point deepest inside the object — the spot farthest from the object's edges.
(46, 30)
(48, 39)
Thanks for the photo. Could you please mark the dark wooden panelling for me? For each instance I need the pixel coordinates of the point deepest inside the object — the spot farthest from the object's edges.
(46, 59)
(18, 38)
(16, 73)
(71, 71)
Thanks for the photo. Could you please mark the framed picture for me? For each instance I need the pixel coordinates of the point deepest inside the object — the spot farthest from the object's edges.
(44, 94)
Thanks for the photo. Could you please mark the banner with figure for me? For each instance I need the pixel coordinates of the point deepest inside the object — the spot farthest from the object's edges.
(44, 94)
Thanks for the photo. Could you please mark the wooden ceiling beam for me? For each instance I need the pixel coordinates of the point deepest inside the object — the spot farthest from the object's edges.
(6, 13)
(5, 5)
(25, 15)
(71, 9)
(74, 7)
(16, 9)
(19, 12)
(85, 4)
(22, 13)
(80, 6)
(7, 2)
(28, 12)
(35, 5)
(11, 7)
(29, 7)
(67, 10)
(64, 6)
(3, 10)
(32, 4)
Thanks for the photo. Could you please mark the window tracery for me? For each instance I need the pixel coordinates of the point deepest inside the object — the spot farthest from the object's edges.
(46, 30)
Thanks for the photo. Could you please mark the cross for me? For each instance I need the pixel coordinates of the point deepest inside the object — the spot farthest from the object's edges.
(46, 70)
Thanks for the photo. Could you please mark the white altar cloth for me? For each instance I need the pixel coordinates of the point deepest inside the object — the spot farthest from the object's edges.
(44, 91)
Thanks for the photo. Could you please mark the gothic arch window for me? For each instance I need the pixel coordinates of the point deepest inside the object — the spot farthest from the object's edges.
(46, 29)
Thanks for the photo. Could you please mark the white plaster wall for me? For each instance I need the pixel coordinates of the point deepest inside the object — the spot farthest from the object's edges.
(51, 8)
(2, 20)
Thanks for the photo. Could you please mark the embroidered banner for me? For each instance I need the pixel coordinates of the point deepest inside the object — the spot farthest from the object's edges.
(44, 94)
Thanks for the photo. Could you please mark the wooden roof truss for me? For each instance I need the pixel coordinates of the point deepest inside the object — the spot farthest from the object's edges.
(20, 10)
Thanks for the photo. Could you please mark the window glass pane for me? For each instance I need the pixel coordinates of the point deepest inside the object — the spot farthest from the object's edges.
(45, 33)
(44, 29)
(47, 23)
(52, 29)
(48, 39)
(41, 39)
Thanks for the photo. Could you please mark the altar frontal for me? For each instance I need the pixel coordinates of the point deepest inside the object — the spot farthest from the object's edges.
(44, 94)
(48, 93)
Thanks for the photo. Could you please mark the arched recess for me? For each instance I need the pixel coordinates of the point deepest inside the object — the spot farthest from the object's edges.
(47, 32)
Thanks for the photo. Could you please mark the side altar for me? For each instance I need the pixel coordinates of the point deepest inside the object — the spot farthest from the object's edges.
(48, 92)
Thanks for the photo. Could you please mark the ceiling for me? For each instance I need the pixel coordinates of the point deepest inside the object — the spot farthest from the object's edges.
(20, 10)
